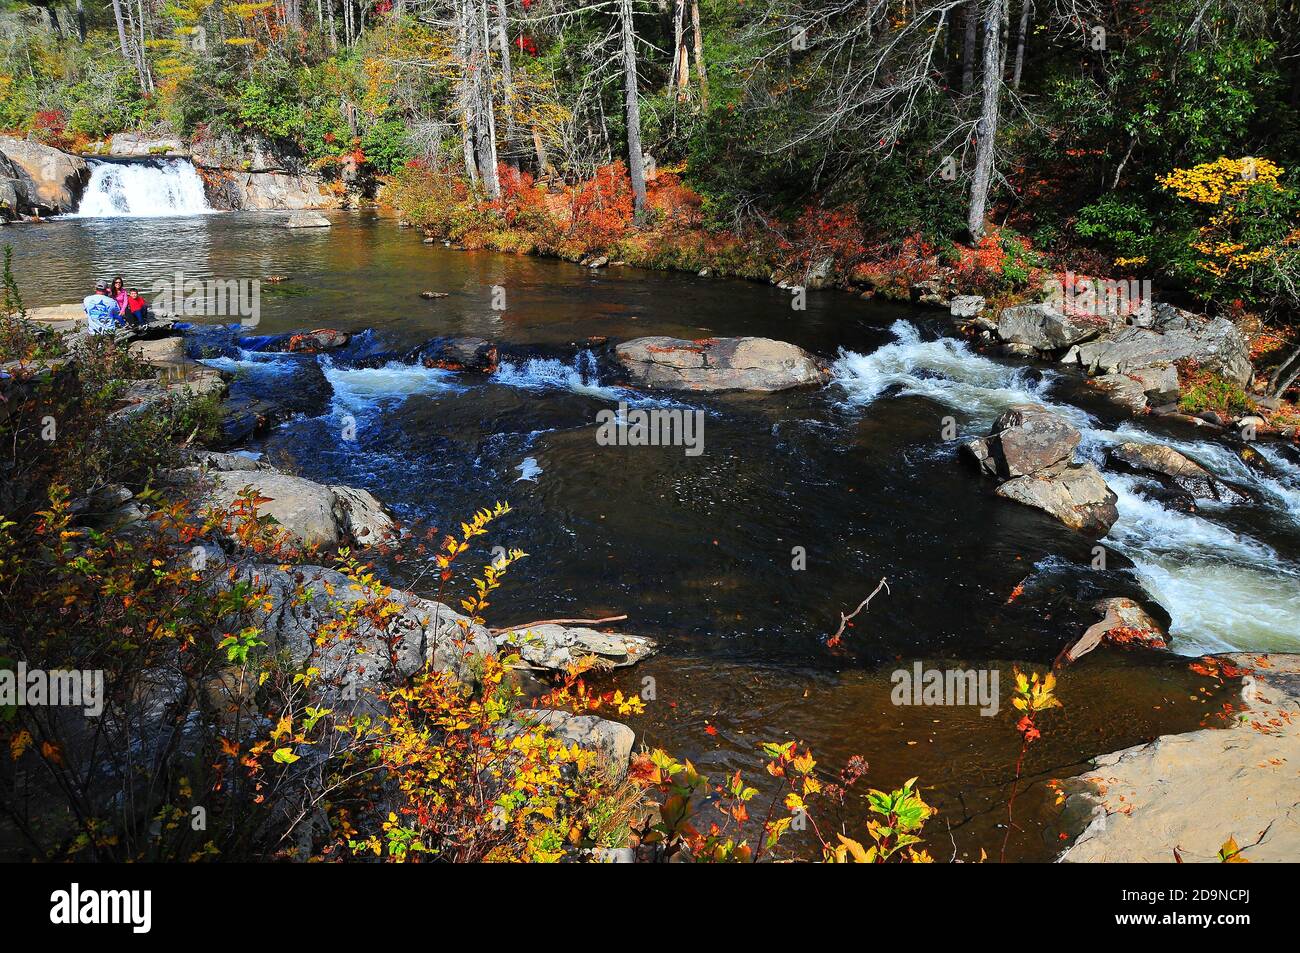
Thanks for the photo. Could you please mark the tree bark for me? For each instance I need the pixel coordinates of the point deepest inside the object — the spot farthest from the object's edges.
(81, 22)
(700, 70)
(1026, 7)
(485, 119)
(680, 75)
(968, 46)
(121, 30)
(987, 129)
(635, 163)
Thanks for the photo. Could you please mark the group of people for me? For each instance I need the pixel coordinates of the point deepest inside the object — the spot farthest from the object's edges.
(113, 307)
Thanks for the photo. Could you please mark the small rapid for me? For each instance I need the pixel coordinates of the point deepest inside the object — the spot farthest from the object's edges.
(1223, 589)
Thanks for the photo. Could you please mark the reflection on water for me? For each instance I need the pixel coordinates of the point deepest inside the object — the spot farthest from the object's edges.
(700, 551)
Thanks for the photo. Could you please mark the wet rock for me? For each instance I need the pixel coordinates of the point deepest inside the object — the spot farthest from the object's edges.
(308, 342)
(1124, 623)
(610, 739)
(1025, 439)
(1215, 344)
(458, 354)
(45, 179)
(420, 632)
(1186, 474)
(755, 364)
(307, 220)
(556, 646)
(1045, 329)
(431, 295)
(1076, 494)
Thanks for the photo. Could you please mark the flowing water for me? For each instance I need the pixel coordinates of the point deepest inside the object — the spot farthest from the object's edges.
(153, 188)
(703, 553)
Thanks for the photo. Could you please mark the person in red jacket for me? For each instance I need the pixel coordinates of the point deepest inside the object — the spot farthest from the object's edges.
(135, 309)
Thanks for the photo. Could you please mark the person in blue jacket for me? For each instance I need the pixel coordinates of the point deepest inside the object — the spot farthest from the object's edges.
(103, 316)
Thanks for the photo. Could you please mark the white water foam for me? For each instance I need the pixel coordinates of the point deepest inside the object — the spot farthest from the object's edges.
(153, 189)
(366, 389)
(1221, 589)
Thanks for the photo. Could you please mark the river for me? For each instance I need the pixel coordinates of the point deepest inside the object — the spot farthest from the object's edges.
(703, 553)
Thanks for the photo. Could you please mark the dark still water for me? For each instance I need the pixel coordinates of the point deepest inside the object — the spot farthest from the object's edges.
(738, 560)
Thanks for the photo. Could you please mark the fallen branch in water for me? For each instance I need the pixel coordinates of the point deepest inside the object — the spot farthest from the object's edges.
(836, 639)
(529, 625)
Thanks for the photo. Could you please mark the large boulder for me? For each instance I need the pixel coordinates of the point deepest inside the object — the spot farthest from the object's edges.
(419, 631)
(555, 647)
(1045, 329)
(1215, 344)
(458, 354)
(312, 513)
(51, 180)
(1076, 494)
(1025, 439)
(307, 219)
(755, 364)
(1122, 390)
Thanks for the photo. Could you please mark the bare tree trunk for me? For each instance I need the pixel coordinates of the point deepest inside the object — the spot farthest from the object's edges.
(542, 165)
(485, 131)
(987, 130)
(81, 21)
(1026, 7)
(635, 164)
(1286, 374)
(464, 89)
(679, 77)
(700, 71)
(507, 75)
(968, 46)
(334, 29)
(121, 30)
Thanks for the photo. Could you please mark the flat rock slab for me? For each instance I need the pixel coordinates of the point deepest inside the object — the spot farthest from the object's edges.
(712, 364)
(1192, 792)
(555, 646)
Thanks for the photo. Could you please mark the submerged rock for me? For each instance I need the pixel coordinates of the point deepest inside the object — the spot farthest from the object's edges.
(307, 220)
(458, 354)
(554, 646)
(755, 364)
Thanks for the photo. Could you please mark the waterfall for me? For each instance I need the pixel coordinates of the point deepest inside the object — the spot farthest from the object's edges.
(148, 189)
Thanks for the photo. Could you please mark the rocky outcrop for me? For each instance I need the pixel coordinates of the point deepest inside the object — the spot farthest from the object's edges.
(1124, 623)
(1030, 448)
(1045, 329)
(36, 179)
(419, 631)
(253, 176)
(1215, 344)
(555, 647)
(1181, 797)
(139, 145)
(713, 364)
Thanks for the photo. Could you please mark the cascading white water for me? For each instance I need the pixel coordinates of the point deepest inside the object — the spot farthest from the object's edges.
(1222, 589)
(149, 189)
